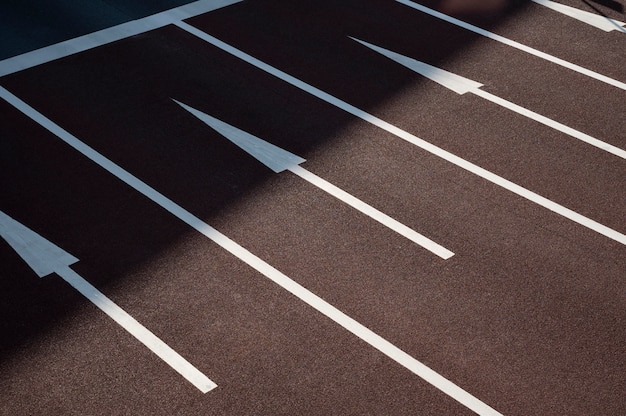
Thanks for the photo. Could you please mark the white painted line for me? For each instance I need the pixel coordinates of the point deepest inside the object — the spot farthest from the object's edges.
(46, 258)
(280, 160)
(429, 147)
(109, 35)
(462, 85)
(517, 45)
(372, 212)
(154, 344)
(258, 264)
(553, 124)
(601, 22)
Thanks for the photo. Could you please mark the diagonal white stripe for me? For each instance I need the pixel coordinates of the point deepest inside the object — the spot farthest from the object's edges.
(145, 336)
(109, 35)
(373, 213)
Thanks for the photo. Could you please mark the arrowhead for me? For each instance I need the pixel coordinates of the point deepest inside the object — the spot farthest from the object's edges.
(456, 83)
(40, 254)
(271, 156)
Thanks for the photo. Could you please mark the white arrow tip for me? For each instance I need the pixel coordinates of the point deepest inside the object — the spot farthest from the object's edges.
(456, 83)
(270, 155)
(40, 254)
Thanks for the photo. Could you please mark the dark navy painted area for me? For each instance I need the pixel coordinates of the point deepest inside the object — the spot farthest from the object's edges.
(27, 25)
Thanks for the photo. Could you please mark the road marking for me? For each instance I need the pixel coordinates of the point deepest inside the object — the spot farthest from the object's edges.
(601, 22)
(280, 160)
(258, 264)
(516, 45)
(46, 258)
(462, 85)
(109, 35)
(429, 147)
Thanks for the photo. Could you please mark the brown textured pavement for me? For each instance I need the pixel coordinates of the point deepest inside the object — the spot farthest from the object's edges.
(528, 316)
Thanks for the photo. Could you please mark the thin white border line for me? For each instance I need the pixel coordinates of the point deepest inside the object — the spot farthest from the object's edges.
(102, 37)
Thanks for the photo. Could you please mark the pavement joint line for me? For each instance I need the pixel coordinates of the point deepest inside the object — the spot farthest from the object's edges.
(516, 45)
(105, 36)
(273, 274)
(402, 134)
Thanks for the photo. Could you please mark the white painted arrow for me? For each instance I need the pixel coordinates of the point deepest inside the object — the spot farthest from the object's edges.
(280, 160)
(46, 258)
(462, 85)
(512, 44)
(601, 22)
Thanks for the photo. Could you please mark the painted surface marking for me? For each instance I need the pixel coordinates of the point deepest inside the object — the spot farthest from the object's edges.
(109, 35)
(601, 22)
(46, 258)
(462, 85)
(429, 147)
(279, 160)
(258, 264)
(516, 45)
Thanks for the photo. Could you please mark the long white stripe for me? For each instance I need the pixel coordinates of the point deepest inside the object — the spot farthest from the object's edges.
(372, 212)
(130, 324)
(601, 22)
(256, 263)
(429, 147)
(105, 36)
(516, 45)
(551, 123)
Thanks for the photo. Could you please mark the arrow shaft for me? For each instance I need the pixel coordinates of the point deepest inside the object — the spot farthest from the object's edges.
(161, 349)
(109, 35)
(551, 123)
(372, 212)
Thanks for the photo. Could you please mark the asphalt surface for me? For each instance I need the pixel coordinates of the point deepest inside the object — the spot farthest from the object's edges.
(527, 316)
